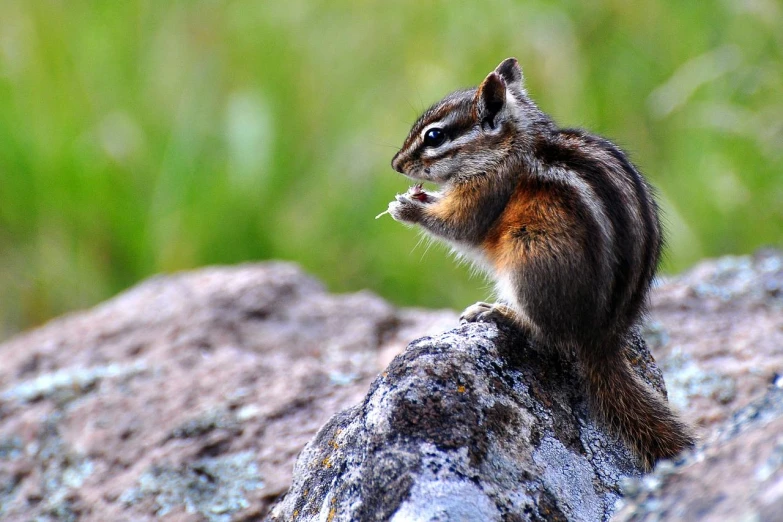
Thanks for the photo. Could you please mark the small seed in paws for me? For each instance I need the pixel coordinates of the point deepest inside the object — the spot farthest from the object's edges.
(417, 193)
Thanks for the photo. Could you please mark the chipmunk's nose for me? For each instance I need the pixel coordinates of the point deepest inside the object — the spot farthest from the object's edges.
(397, 164)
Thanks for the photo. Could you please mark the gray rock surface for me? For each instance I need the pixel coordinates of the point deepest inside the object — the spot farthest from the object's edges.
(736, 474)
(474, 424)
(717, 332)
(189, 397)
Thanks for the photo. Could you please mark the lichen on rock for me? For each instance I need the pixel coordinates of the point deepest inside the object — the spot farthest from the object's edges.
(206, 385)
(475, 424)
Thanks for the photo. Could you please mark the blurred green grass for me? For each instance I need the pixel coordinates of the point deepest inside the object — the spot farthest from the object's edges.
(141, 137)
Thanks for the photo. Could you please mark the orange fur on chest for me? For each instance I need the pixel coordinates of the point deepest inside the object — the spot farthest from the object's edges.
(536, 222)
(458, 206)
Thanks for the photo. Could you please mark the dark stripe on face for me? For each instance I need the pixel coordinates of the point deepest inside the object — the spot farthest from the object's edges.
(458, 102)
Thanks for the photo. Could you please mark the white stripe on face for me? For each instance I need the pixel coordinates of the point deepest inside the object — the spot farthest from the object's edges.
(436, 125)
(449, 145)
(420, 138)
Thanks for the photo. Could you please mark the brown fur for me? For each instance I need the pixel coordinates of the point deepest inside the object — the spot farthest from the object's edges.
(634, 411)
(566, 226)
(533, 219)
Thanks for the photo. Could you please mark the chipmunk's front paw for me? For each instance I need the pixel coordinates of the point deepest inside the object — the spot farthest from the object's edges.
(406, 208)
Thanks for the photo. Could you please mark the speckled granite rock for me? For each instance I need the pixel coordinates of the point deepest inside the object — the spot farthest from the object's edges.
(189, 397)
(736, 474)
(717, 332)
(474, 424)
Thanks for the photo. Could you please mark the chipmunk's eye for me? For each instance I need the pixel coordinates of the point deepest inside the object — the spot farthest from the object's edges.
(434, 137)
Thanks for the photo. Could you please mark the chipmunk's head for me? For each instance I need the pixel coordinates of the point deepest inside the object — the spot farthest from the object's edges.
(469, 132)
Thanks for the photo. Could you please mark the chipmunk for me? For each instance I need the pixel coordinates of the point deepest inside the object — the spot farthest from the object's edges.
(564, 224)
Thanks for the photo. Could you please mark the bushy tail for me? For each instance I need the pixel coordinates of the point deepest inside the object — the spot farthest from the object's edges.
(634, 411)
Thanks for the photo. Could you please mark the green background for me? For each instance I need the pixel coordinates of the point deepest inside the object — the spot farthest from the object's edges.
(139, 137)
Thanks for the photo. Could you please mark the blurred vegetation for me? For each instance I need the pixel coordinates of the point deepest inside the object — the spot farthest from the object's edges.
(140, 137)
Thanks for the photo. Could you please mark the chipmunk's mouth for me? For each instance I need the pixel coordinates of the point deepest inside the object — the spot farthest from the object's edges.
(421, 176)
(428, 176)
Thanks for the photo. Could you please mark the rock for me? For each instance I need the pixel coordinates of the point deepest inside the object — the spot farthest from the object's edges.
(189, 395)
(702, 323)
(717, 332)
(736, 474)
(474, 424)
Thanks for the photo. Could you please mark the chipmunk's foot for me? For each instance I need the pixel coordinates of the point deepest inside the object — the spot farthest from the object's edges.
(488, 313)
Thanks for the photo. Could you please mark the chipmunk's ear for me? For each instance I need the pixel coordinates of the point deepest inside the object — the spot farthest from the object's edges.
(490, 98)
(510, 71)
